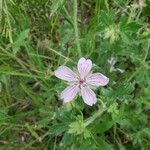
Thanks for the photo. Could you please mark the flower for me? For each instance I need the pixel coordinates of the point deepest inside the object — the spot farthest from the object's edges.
(81, 81)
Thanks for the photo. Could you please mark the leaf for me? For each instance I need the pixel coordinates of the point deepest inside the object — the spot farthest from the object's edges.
(76, 127)
(55, 6)
(103, 145)
(103, 127)
(120, 91)
(107, 19)
(3, 115)
(36, 98)
(21, 40)
(59, 128)
(43, 122)
(68, 139)
(128, 27)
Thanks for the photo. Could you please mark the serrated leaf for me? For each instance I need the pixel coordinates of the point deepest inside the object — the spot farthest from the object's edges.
(20, 41)
(55, 6)
(43, 122)
(58, 129)
(103, 145)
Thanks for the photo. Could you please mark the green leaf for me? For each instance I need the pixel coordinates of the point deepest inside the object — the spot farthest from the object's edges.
(3, 115)
(103, 127)
(59, 128)
(36, 98)
(107, 18)
(20, 41)
(76, 127)
(103, 145)
(43, 122)
(56, 5)
(68, 139)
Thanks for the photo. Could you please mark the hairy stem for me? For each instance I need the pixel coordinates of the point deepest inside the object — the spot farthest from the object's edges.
(146, 53)
(94, 117)
(75, 8)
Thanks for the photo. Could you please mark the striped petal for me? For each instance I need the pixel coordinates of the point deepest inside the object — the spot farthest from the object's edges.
(84, 67)
(88, 95)
(97, 79)
(69, 93)
(65, 73)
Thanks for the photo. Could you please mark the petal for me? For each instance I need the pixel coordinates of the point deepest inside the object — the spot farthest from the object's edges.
(84, 67)
(65, 73)
(88, 95)
(97, 79)
(69, 93)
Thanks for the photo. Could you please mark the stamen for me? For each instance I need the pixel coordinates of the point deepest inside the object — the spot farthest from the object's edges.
(81, 81)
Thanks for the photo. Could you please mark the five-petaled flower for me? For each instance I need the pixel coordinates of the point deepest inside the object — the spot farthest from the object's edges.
(81, 81)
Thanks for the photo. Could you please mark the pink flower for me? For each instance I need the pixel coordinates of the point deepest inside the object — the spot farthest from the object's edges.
(81, 82)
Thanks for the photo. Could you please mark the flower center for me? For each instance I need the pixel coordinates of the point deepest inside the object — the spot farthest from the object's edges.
(81, 82)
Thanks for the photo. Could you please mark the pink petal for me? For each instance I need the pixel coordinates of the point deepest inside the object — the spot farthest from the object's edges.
(88, 95)
(65, 73)
(97, 79)
(84, 67)
(69, 93)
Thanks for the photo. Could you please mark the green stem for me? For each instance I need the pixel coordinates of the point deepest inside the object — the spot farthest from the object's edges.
(94, 117)
(146, 53)
(75, 13)
(68, 16)
(8, 22)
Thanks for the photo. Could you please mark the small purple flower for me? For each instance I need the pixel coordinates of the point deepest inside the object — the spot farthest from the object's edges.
(81, 82)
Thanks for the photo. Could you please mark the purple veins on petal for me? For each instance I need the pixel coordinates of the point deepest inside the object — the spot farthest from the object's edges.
(69, 93)
(88, 95)
(80, 82)
(84, 67)
(66, 74)
(97, 79)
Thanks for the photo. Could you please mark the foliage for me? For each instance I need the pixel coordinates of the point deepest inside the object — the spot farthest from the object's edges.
(36, 37)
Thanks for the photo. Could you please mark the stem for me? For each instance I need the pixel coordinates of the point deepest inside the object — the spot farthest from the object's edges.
(146, 53)
(93, 117)
(8, 21)
(131, 77)
(75, 13)
(68, 17)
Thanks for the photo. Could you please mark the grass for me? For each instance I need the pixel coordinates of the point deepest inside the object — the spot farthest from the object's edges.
(38, 36)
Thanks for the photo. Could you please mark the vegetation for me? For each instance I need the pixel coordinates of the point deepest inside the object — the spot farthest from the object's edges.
(36, 37)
